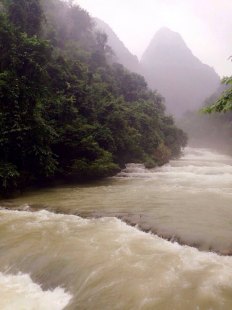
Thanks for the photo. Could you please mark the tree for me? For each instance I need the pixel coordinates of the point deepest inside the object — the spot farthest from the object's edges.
(224, 102)
(65, 110)
(25, 137)
(26, 15)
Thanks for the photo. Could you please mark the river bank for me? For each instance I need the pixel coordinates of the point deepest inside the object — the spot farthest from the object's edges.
(187, 201)
(74, 247)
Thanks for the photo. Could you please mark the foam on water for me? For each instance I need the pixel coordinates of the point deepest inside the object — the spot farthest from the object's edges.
(106, 264)
(197, 169)
(21, 293)
(110, 265)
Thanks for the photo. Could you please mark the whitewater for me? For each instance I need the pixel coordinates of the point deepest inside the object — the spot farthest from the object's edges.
(113, 244)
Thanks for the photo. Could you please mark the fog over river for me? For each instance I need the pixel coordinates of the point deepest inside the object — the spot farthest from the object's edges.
(78, 250)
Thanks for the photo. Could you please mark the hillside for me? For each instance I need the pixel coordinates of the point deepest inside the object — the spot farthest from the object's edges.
(67, 112)
(121, 52)
(170, 67)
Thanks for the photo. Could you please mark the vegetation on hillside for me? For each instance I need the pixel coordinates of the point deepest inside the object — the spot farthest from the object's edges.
(224, 102)
(65, 111)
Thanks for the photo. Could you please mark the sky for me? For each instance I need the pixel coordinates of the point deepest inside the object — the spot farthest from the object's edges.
(205, 25)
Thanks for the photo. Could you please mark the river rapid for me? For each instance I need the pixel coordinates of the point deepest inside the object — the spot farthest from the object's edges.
(103, 245)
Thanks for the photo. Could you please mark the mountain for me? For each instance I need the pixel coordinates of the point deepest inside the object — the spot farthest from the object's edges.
(122, 54)
(170, 67)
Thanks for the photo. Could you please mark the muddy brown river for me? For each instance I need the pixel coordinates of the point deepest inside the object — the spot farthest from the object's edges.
(113, 244)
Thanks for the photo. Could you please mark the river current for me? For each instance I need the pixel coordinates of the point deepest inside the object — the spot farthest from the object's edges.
(85, 247)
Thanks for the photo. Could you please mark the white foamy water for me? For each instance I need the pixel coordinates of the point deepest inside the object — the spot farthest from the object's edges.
(21, 293)
(106, 264)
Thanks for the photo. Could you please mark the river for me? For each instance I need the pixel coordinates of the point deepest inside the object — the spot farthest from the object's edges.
(112, 244)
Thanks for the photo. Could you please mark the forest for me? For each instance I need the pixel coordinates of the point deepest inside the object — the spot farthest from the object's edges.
(67, 111)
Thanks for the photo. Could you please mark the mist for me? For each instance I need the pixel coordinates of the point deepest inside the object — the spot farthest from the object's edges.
(183, 64)
(115, 154)
(204, 25)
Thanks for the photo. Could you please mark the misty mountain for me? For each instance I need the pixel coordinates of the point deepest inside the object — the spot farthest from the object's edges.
(209, 130)
(81, 117)
(121, 53)
(171, 68)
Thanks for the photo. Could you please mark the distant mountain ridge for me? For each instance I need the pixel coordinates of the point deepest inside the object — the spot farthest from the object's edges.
(122, 54)
(169, 67)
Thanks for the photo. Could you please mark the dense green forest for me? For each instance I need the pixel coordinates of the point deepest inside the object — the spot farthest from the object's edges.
(66, 111)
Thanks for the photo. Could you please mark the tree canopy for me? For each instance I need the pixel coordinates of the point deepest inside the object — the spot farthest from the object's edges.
(65, 110)
(224, 102)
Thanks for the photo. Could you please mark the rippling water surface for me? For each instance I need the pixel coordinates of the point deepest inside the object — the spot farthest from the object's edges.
(60, 256)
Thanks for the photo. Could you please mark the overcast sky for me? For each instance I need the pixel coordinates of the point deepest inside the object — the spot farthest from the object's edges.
(205, 25)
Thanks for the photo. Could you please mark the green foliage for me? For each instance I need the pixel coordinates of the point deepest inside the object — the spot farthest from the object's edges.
(149, 162)
(162, 154)
(8, 178)
(25, 137)
(25, 15)
(64, 110)
(224, 102)
(101, 167)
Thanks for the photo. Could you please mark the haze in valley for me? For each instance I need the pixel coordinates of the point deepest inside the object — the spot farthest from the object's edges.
(204, 25)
